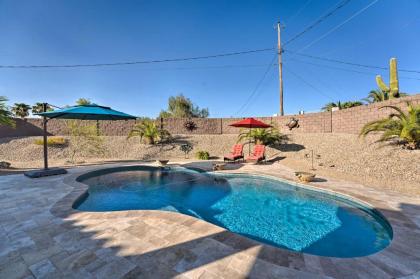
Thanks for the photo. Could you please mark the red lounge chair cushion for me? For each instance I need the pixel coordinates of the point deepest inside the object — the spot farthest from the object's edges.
(236, 152)
(258, 153)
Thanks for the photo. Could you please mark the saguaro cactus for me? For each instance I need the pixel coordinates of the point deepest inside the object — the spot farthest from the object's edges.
(393, 88)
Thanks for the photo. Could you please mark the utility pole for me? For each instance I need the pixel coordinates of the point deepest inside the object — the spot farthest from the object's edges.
(280, 67)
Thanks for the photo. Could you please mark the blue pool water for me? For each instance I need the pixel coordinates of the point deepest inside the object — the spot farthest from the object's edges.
(261, 208)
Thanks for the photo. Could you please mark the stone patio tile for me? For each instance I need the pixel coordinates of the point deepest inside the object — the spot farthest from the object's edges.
(206, 251)
(5, 247)
(77, 274)
(22, 242)
(145, 273)
(13, 267)
(242, 263)
(312, 263)
(75, 261)
(331, 267)
(173, 255)
(19, 226)
(107, 254)
(115, 269)
(128, 245)
(32, 254)
(365, 269)
(262, 269)
(43, 269)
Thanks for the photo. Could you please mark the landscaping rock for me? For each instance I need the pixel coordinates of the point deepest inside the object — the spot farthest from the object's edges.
(4, 165)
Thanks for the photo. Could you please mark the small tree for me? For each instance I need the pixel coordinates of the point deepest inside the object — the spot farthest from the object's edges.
(39, 108)
(182, 107)
(186, 148)
(21, 110)
(83, 101)
(5, 114)
(84, 138)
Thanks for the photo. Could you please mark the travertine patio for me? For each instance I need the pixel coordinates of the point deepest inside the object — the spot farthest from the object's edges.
(41, 236)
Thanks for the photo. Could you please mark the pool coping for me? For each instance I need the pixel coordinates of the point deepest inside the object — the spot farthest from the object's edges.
(399, 259)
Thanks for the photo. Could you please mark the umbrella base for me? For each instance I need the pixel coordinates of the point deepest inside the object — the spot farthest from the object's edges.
(45, 172)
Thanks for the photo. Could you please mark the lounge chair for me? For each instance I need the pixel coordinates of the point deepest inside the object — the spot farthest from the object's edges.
(258, 154)
(235, 154)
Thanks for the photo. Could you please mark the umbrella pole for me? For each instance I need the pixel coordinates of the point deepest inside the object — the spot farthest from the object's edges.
(249, 142)
(45, 139)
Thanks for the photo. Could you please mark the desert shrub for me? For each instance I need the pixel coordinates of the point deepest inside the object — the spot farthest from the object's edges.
(186, 148)
(202, 155)
(84, 138)
(52, 141)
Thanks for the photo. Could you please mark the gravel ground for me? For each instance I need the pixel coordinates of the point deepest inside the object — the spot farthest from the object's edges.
(337, 155)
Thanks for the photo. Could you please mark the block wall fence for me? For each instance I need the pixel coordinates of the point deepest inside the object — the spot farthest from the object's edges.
(343, 121)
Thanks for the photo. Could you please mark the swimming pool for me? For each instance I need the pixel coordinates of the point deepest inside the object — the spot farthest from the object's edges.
(265, 209)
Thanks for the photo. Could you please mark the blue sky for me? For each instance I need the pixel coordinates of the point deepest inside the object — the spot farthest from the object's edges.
(78, 31)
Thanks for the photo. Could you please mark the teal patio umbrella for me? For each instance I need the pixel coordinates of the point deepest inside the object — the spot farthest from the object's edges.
(82, 112)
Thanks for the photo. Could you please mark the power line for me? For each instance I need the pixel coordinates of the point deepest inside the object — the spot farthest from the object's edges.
(298, 12)
(348, 63)
(318, 21)
(135, 62)
(243, 107)
(346, 70)
(374, 37)
(308, 83)
(338, 26)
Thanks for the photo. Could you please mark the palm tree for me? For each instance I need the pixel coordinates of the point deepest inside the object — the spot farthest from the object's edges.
(351, 104)
(5, 114)
(340, 105)
(39, 108)
(380, 96)
(261, 136)
(148, 132)
(398, 125)
(329, 106)
(21, 110)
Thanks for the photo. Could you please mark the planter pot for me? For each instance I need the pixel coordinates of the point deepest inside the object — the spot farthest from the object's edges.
(305, 176)
(148, 140)
(162, 163)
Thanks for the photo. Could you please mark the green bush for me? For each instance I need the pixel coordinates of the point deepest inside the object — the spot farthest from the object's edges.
(149, 132)
(202, 155)
(52, 141)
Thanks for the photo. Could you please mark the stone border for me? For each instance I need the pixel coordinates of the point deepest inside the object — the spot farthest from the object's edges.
(401, 258)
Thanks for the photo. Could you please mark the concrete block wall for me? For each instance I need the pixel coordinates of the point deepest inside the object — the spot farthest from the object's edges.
(343, 121)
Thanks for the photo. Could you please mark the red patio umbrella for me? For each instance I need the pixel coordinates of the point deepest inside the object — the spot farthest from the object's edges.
(250, 123)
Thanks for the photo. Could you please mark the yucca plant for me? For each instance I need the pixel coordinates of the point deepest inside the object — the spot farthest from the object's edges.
(261, 136)
(148, 132)
(398, 125)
